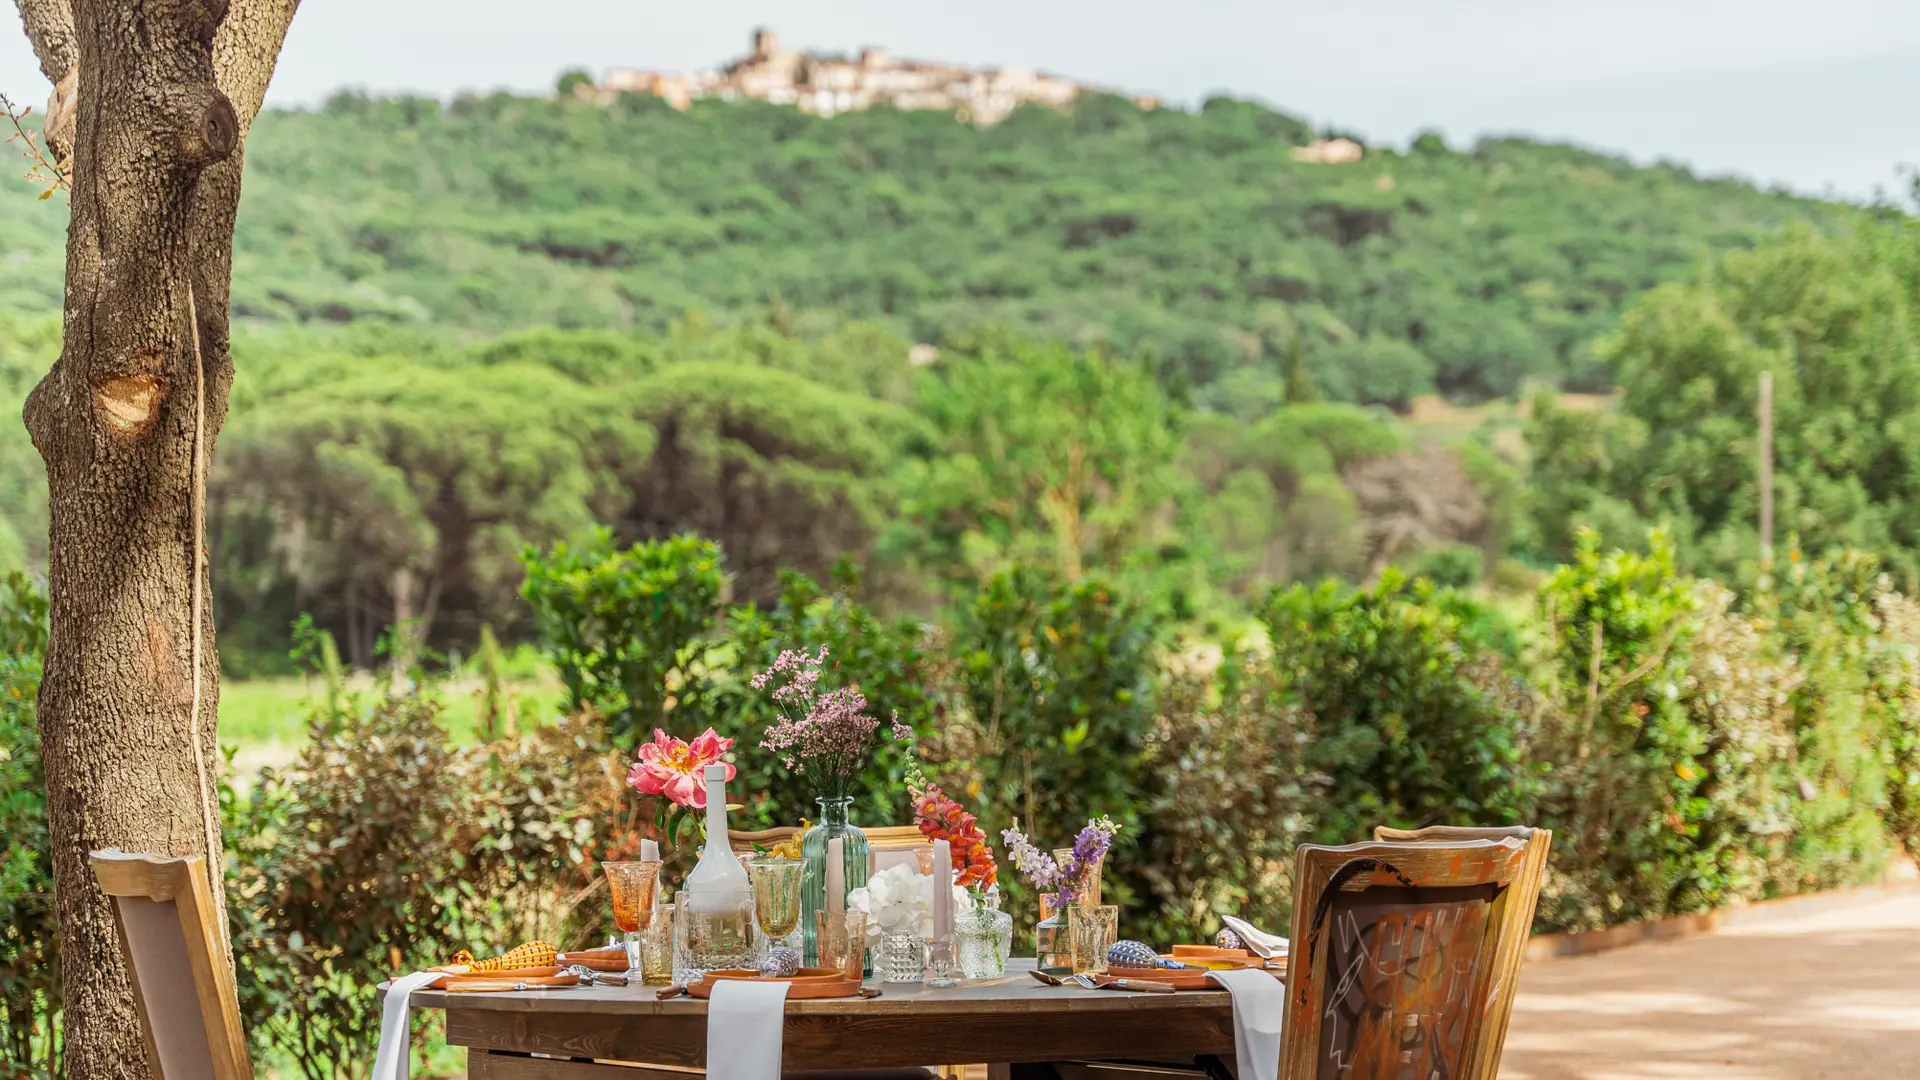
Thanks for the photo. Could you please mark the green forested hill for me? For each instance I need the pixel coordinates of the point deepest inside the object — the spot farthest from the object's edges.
(1193, 236)
(1162, 347)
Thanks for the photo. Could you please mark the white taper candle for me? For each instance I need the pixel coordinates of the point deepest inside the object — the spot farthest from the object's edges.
(837, 875)
(942, 891)
(650, 852)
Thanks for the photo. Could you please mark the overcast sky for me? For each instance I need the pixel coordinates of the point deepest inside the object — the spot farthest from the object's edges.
(1820, 96)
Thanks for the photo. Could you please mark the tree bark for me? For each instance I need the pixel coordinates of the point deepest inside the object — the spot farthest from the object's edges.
(165, 92)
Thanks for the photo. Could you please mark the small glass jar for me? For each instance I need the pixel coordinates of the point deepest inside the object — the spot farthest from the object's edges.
(902, 959)
(978, 935)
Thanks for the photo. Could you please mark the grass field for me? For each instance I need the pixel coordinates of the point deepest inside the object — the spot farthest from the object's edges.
(264, 721)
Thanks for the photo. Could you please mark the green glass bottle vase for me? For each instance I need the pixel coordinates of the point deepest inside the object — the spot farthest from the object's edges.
(834, 814)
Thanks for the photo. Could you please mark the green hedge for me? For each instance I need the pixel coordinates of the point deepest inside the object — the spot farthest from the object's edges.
(1691, 746)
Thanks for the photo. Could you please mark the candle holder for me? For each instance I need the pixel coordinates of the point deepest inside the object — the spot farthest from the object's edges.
(903, 958)
(943, 965)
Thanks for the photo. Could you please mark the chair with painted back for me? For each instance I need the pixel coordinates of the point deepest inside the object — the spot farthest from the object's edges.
(1513, 952)
(1401, 956)
(887, 845)
(182, 985)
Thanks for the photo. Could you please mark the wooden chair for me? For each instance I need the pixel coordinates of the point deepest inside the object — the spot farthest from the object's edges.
(887, 845)
(189, 1012)
(1402, 957)
(1533, 874)
(743, 843)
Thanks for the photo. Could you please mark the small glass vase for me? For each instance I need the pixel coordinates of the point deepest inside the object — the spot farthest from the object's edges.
(1087, 889)
(1051, 944)
(979, 935)
(834, 822)
(903, 958)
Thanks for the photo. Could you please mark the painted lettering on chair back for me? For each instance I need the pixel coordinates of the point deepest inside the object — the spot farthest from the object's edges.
(1401, 969)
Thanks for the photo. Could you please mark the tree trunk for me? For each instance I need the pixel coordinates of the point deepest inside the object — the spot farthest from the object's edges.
(156, 183)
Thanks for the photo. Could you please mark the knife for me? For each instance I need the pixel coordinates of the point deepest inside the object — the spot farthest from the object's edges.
(1147, 985)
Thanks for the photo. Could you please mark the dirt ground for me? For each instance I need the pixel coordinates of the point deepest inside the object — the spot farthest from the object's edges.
(1828, 994)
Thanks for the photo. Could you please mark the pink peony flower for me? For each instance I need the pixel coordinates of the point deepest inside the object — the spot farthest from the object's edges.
(676, 769)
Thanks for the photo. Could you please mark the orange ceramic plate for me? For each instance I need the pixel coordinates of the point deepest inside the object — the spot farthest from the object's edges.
(1209, 952)
(610, 959)
(802, 985)
(534, 976)
(1189, 978)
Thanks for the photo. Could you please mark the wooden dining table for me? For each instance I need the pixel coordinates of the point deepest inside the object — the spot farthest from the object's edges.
(1011, 1024)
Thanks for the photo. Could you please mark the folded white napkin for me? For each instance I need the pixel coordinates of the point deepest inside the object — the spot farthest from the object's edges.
(744, 1022)
(1259, 1011)
(390, 1061)
(1258, 941)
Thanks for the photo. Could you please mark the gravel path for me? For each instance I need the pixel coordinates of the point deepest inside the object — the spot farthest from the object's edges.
(1828, 994)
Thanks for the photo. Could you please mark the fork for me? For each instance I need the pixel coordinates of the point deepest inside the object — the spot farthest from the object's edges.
(1090, 983)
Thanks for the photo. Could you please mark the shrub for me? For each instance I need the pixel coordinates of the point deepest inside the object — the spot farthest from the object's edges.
(1738, 691)
(1235, 796)
(356, 864)
(1406, 701)
(29, 932)
(1058, 679)
(1899, 679)
(1617, 752)
(1453, 566)
(627, 629)
(1825, 612)
(546, 808)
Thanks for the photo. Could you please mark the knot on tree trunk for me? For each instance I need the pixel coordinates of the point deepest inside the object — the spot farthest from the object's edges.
(208, 129)
(126, 402)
